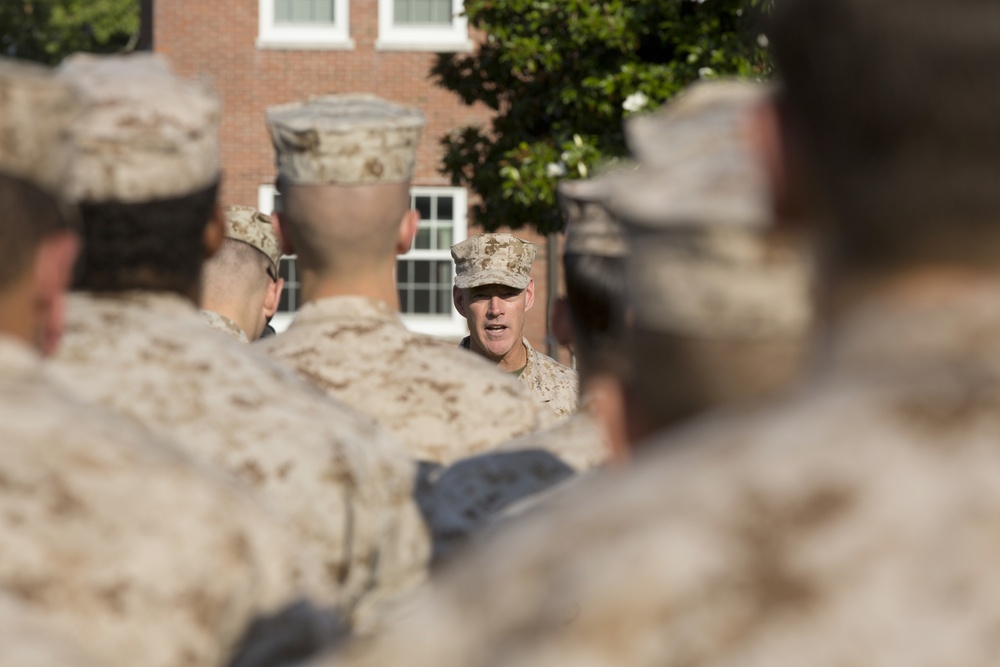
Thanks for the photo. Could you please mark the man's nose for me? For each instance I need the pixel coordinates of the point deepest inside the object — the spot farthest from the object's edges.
(496, 306)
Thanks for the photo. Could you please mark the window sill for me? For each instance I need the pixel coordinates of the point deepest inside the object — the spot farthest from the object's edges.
(438, 46)
(273, 44)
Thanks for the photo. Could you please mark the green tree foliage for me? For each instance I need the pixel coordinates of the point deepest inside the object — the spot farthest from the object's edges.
(561, 74)
(48, 30)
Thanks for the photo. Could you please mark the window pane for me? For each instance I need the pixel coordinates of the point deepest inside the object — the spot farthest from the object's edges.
(402, 271)
(422, 272)
(445, 208)
(444, 237)
(286, 269)
(403, 305)
(422, 11)
(444, 302)
(303, 11)
(443, 273)
(423, 206)
(421, 301)
(423, 239)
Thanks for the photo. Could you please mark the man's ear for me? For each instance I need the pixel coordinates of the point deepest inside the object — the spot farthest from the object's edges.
(407, 230)
(529, 295)
(272, 299)
(280, 225)
(53, 270)
(215, 232)
(459, 299)
(562, 326)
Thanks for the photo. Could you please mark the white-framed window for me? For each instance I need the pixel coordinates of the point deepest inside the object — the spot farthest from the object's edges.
(424, 275)
(422, 25)
(304, 24)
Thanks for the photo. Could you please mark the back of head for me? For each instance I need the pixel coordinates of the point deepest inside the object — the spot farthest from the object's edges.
(344, 167)
(895, 103)
(36, 110)
(145, 171)
(236, 278)
(594, 258)
(720, 297)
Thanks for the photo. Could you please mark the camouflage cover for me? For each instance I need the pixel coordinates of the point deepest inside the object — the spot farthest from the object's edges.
(247, 224)
(35, 111)
(144, 133)
(345, 140)
(493, 259)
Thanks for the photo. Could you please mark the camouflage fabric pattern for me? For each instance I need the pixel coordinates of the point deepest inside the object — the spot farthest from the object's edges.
(344, 486)
(35, 110)
(247, 224)
(116, 542)
(345, 140)
(441, 403)
(27, 642)
(144, 133)
(591, 229)
(224, 325)
(853, 524)
(461, 499)
(706, 261)
(493, 259)
(552, 384)
(578, 440)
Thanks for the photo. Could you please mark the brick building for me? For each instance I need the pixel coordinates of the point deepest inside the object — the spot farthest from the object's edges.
(265, 52)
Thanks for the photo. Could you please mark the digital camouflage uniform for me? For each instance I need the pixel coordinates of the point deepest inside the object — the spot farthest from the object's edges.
(724, 544)
(442, 403)
(113, 543)
(343, 486)
(224, 325)
(577, 440)
(554, 385)
(27, 642)
(853, 524)
(503, 259)
(116, 541)
(439, 402)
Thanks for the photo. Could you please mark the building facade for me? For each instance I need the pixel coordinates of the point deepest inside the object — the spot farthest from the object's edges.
(265, 52)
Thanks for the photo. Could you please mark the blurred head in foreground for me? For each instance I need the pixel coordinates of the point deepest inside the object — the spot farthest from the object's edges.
(719, 293)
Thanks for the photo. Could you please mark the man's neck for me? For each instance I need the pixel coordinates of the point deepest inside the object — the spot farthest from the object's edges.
(375, 285)
(916, 288)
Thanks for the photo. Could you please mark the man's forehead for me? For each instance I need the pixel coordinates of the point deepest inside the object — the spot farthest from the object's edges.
(496, 288)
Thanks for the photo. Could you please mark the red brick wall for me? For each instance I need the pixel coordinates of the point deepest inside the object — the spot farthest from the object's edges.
(218, 38)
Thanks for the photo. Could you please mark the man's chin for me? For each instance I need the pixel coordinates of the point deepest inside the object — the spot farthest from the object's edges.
(496, 350)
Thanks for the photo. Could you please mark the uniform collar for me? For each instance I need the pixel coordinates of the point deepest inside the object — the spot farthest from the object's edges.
(880, 334)
(346, 308)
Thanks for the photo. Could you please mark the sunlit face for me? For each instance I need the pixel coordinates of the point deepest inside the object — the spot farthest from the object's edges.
(495, 314)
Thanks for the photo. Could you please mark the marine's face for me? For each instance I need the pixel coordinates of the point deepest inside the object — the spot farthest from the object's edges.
(496, 317)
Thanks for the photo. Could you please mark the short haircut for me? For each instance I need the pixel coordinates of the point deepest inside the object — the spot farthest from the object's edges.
(898, 108)
(596, 291)
(155, 245)
(236, 271)
(340, 229)
(29, 215)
